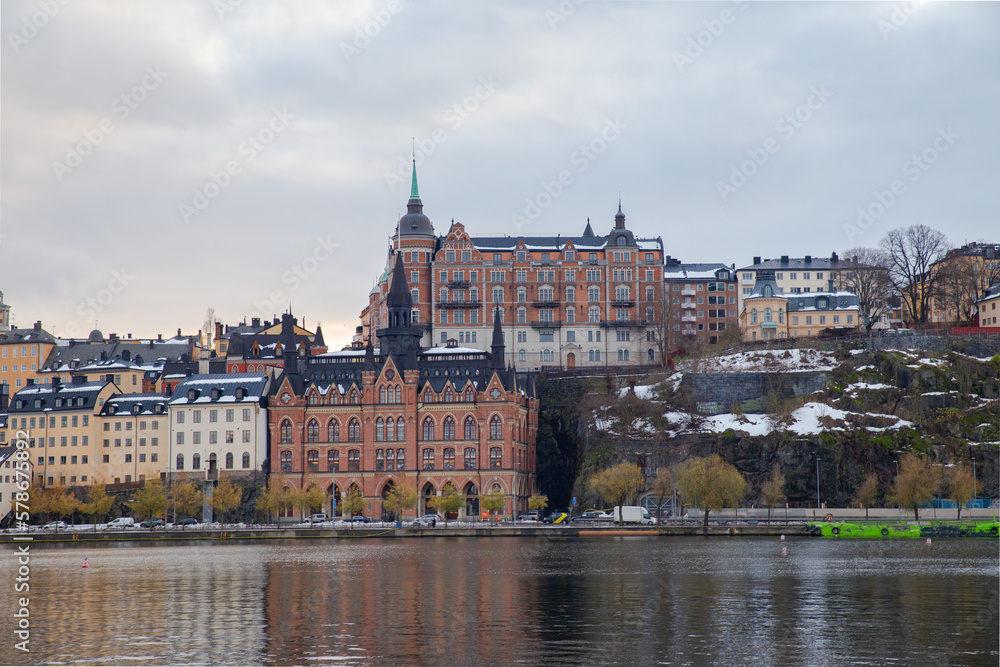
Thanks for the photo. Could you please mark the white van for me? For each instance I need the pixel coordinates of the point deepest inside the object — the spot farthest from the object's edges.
(122, 522)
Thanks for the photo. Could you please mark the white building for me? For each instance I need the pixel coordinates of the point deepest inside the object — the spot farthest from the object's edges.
(218, 419)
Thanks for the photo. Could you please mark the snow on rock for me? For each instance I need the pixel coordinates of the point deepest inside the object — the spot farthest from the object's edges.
(804, 359)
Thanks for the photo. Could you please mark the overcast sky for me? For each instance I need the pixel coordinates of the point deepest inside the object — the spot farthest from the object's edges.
(730, 129)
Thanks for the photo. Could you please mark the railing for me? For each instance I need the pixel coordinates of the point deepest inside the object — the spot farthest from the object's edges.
(622, 323)
(546, 325)
(689, 318)
(459, 304)
(458, 284)
(688, 304)
(545, 304)
(623, 303)
(687, 292)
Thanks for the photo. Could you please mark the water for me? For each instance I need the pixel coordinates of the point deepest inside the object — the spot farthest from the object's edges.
(474, 601)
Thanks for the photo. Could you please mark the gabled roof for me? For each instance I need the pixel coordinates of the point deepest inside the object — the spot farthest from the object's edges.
(33, 335)
(220, 388)
(55, 397)
(136, 404)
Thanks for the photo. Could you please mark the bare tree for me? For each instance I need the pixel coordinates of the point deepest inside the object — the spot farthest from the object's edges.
(662, 325)
(865, 275)
(959, 283)
(209, 326)
(910, 255)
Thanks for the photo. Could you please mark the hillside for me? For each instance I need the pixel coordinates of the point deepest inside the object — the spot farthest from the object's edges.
(856, 410)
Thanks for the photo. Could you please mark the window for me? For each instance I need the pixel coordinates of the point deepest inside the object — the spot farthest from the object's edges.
(496, 428)
(354, 459)
(286, 460)
(496, 457)
(428, 428)
(246, 416)
(379, 430)
(213, 415)
(180, 439)
(522, 356)
(332, 460)
(312, 431)
(196, 438)
(312, 460)
(229, 460)
(622, 355)
(333, 431)
(594, 293)
(379, 459)
(246, 459)
(594, 314)
(196, 462)
(286, 432)
(449, 428)
(354, 431)
(400, 459)
(230, 414)
(449, 458)
(180, 461)
(570, 293)
(428, 459)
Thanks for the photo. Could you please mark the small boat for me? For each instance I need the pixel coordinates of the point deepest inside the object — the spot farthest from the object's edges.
(899, 530)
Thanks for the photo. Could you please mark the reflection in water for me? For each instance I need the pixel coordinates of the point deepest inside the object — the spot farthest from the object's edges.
(684, 601)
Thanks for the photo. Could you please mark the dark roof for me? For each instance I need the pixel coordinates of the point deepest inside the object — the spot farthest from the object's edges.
(220, 388)
(798, 263)
(34, 335)
(74, 355)
(681, 271)
(136, 404)
(399, 294)
(55, 397)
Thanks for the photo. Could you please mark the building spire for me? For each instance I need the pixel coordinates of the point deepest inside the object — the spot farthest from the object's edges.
(414, 193)
(497, 347)
(619, 216)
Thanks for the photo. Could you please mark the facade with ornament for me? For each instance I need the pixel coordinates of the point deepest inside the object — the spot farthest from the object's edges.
(370, 418)
(562, 301)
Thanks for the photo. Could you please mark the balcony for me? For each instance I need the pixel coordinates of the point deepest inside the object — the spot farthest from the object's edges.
(768, 325)
(687, 304)
(459, 304)
(545, 325)
(688, 332)
(650, 261)
(687, 291)
(689, 318)
(622, 323)
(545, 304)
(458, 284)
(622, 303)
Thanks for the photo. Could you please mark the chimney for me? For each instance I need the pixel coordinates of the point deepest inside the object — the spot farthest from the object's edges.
(79, 379)
(129, 335)
(255, 321)
(218, 330)
(809, 259)
(38, 325)
(56, 382)
(126, 355)
(159, 338)
(784, 259)
(4, 398)
(178, 332)
(756, 260)
(114, 336)
(834, 258)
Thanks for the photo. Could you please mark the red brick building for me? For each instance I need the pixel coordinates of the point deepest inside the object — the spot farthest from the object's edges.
(370, 418)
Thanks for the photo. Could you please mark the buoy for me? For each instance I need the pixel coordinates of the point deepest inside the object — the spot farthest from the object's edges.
(782, 538)
(784, 550)
(928, 541)
(86, 563)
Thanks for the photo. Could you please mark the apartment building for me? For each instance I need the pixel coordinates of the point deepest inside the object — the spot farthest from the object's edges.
(133, 433)
(701, 301)
(769, 314)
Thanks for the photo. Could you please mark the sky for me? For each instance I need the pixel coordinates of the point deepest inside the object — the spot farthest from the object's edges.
(163, 158)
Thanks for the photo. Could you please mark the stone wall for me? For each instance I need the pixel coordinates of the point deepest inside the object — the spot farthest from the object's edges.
(714, 393)
(975, 347)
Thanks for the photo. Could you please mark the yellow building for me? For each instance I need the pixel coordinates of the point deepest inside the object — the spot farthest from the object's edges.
(987, 310)
(62, 423)
(134, 434)
(769, 314)
(22, 354)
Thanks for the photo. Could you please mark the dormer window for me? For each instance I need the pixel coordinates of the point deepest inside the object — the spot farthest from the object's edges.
(621, 240)
(768, 292)
(192, 394)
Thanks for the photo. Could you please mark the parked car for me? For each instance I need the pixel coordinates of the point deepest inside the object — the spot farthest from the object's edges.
(190, 521)
(593, 516)
(55, 525)
(152, 523)
(318, 518)
(357, 518)
(556, 517)
(428, 521)
(530, 515)
(122, 522)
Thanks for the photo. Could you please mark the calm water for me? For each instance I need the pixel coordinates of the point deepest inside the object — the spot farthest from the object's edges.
(631, 601)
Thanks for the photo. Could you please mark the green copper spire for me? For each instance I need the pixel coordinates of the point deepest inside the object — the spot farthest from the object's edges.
(414, 194)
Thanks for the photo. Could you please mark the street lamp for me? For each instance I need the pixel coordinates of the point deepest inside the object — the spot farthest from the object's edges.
(817, 483)
(973, 481)
(897, 482)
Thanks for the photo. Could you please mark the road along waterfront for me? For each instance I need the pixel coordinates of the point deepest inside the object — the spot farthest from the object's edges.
(540, 600)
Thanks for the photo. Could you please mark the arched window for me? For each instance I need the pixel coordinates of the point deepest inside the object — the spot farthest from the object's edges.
(428, 459)
(390, 459)
(355, 397)
(470, 428)
(390, 429)
(354, 459)
(449, 458)
(470, 394)
(470, 458)
(768, 291)
(180, 462)
(354, 430)
(496, 457)
(333, 431)
(312, 431)
(622, 355)
(449, 395)
(594, 314)
(379, 430)
(312, 460)
(449, 428)
(767, 315)
(428, 428)
(398, 398)
(286, 432)
(522, 356)
(196, 462)
(380, 459)
(546, 355)
(496, 428)
(381, 394)
(332, 460)
(428, 395)
(781, 315)
(400, 459)
(246, 460)
(753, 316)
(229, 460)
(313, 398)
(650, 355)
(400, 430)
(621, 240)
